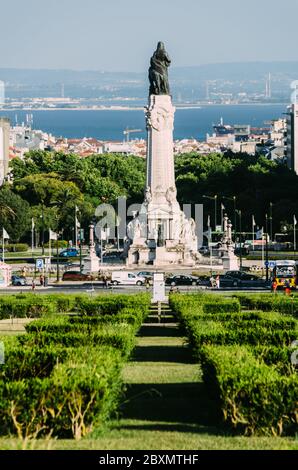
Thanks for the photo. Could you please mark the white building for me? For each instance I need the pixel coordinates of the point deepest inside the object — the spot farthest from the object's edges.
(2, 93)
(4, 148)
(292, 137)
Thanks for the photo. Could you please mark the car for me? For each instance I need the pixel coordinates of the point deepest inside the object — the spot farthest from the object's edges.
(76, 276)
(146, 274)
(69, 253)
(127, 278)
(182, 280)
(18, 280)
(241, 279)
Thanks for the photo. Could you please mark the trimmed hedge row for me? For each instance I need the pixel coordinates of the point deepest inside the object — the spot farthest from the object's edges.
(246, 361)
(119, 336)
(253, 397)
(267, 302)
(63, 377)
(80, 393)
(34, 306)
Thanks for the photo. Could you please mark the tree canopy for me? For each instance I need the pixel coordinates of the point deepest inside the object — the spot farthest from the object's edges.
(54, 184)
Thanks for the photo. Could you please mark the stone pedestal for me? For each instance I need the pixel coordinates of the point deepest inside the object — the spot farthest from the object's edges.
(161, 234)
(229, 259)
(91, 262)
(230, 262)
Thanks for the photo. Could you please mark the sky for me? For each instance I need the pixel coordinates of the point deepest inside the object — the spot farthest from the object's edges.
(120, 35)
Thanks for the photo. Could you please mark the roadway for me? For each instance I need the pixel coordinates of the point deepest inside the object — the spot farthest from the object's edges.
(97, 288)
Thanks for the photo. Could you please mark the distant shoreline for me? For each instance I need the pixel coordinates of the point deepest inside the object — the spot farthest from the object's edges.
(141, 108)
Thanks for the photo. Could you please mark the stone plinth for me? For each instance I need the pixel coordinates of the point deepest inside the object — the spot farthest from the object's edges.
(91, 262)
(228, 257)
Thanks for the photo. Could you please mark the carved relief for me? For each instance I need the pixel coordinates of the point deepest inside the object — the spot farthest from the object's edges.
(160, 118)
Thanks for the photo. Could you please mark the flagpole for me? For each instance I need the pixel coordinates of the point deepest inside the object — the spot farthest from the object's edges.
(263, 258)
(76, 228)
(222, 216)
(101, 247)
(253, 233)
(3, 256)
(32, 235)
(295, 223)
(50, 247)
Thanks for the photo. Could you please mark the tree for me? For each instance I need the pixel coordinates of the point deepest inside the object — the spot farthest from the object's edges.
(14, 214)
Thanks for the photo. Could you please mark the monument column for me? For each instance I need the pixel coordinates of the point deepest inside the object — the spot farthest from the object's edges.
(160, 154)
(162, 234)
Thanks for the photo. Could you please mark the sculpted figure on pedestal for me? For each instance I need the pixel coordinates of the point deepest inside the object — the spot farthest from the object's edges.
(158, 71)
(148, 195)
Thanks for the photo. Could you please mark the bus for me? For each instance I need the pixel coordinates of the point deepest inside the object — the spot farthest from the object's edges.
(285, 272)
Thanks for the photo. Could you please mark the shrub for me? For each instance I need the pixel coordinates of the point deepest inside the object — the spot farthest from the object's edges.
(61, 244)
(17, 247)
(110, 305)
(80, 393)
(253, 397)
(277, 356)
(25, 307)
(227, 306)
(279, 303)
(120, 336)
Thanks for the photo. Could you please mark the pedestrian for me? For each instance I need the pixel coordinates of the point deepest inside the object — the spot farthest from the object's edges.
(41, 280)
(212, 281)
(274, 286)
(147, 284)
(217, 282)
(287, 288)
(33, 285)
(106, 282)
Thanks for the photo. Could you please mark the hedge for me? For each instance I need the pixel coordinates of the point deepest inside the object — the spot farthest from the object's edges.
(224, 306)
(64, 376)
(120, 336)
(17, 247)
(279, 303)
(34, 306)
(81, 393)
(112, 304)
(252, 396)
(25, 308)
(277, 356)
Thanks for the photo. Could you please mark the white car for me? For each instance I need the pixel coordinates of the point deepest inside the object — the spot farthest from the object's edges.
(127, 278)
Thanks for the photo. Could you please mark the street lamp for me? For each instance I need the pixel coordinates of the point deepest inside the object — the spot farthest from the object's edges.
(271, 221)
(239, 212)
(42, 228)
(267, 254)
(213, 198)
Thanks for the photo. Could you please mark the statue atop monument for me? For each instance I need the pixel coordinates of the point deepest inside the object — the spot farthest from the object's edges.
(158, 71)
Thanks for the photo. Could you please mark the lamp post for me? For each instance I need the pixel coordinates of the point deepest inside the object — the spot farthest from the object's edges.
(42, 228)
(271, 221)
(239, 212)
(57, 257)
(267, 254)
(213, 198)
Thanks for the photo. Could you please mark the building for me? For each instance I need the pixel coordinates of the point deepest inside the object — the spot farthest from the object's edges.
(2, 93)
(4, 148)
(292, 137)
